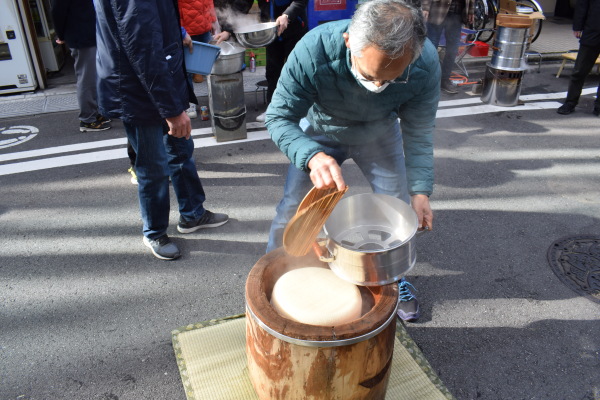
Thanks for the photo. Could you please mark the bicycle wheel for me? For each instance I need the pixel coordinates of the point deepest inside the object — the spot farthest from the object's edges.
(528, 7)
(484, 18)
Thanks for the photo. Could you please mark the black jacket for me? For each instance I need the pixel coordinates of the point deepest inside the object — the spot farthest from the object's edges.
(141, 74)
(587, 19)
(75, 22)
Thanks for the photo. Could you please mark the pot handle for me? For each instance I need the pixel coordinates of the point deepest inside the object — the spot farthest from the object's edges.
(320, 253)
(422, 231)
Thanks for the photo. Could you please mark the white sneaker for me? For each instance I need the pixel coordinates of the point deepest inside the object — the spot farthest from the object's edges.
(191, 112)
(261, 117)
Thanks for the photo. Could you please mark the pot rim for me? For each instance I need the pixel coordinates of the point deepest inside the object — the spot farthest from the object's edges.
(260, 308)
(371, 251)
(264, 26)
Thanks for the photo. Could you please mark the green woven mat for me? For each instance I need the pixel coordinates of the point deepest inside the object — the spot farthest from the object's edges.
(212, 363)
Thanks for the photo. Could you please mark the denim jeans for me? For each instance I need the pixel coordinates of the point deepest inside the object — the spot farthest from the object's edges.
(158, 156)
(452, 28)
(381, 162)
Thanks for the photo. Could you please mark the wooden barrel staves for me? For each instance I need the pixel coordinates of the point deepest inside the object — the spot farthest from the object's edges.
(291, 360)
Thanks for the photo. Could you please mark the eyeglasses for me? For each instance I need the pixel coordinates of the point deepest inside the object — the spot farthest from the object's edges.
(392, 82)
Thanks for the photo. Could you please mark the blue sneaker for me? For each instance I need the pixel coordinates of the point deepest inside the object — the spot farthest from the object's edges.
(408, 309)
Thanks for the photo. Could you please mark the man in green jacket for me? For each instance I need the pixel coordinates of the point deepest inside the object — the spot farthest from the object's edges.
(365, 89)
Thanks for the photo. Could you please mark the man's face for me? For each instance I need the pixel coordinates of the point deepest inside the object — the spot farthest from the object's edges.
(376, 66)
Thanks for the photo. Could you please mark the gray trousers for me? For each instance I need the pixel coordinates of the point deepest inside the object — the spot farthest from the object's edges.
(85, 70)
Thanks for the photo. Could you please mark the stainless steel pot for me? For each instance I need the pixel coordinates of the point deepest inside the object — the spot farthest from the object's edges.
(509, 48)
(256, 35)
(501, 88)
(230, 60)
(370, 239)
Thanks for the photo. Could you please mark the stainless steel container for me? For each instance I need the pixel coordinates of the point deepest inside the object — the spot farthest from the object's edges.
(501, 88)
(230, 59)
(257, 35)
(370, 239)
(227, 106)
(509, 48)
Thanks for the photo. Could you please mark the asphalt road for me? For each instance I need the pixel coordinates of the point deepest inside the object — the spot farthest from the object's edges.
(86, 312)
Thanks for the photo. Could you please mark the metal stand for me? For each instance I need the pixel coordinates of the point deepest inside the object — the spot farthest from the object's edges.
(529, 53)
(260, 85)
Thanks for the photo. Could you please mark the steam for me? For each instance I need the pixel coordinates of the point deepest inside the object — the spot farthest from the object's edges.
(236, 19)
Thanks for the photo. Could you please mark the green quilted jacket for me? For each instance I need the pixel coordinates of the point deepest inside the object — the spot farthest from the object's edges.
(316, 83)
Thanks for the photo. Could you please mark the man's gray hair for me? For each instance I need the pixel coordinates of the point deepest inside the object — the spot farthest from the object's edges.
(392, 26)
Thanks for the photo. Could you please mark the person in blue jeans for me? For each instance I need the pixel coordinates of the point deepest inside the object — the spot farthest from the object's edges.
(143, 81)
(447, 17)
(366, 90)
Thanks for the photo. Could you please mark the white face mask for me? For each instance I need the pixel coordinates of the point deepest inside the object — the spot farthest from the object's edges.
(367, 84)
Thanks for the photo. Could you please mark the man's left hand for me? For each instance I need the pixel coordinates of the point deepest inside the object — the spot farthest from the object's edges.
(282, 23)
(420, 203)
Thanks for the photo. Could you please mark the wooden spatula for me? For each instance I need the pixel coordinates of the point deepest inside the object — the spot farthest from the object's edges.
(302, 230)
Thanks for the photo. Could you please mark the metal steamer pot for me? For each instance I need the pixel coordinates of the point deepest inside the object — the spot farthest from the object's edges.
(230, 60)
(371, 239)
(509, 48)
(256, 36)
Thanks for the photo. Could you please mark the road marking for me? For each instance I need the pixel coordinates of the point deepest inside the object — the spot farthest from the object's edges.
(24, 132)
(203, 137)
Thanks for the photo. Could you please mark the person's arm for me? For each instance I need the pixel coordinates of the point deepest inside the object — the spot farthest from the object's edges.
(186, 40)
(417, 120)
(60, 12)
(156, 63)
(425, 7)
(291, 13)
(579, 16)
(470, 12)
(295, 9)
(294, 96)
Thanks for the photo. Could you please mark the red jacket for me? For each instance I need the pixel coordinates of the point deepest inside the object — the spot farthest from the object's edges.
(197, 16)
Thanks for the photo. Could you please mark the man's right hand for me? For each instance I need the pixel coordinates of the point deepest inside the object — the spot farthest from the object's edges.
(221, 37)
(187, 42)
(325, 172)
(180, 126)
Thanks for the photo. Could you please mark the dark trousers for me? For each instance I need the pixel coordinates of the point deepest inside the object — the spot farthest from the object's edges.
(277, 53)
(586, 57)
(85, 70)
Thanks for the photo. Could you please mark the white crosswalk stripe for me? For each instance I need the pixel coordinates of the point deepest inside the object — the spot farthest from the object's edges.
(203, 137)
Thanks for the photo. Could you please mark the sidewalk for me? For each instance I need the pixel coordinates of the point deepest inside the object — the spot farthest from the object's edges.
(556, 38)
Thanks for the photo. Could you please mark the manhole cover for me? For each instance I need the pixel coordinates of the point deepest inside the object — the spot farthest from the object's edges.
(576, 262)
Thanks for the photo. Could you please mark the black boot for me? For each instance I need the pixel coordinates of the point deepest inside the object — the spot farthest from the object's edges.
(566, 108)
